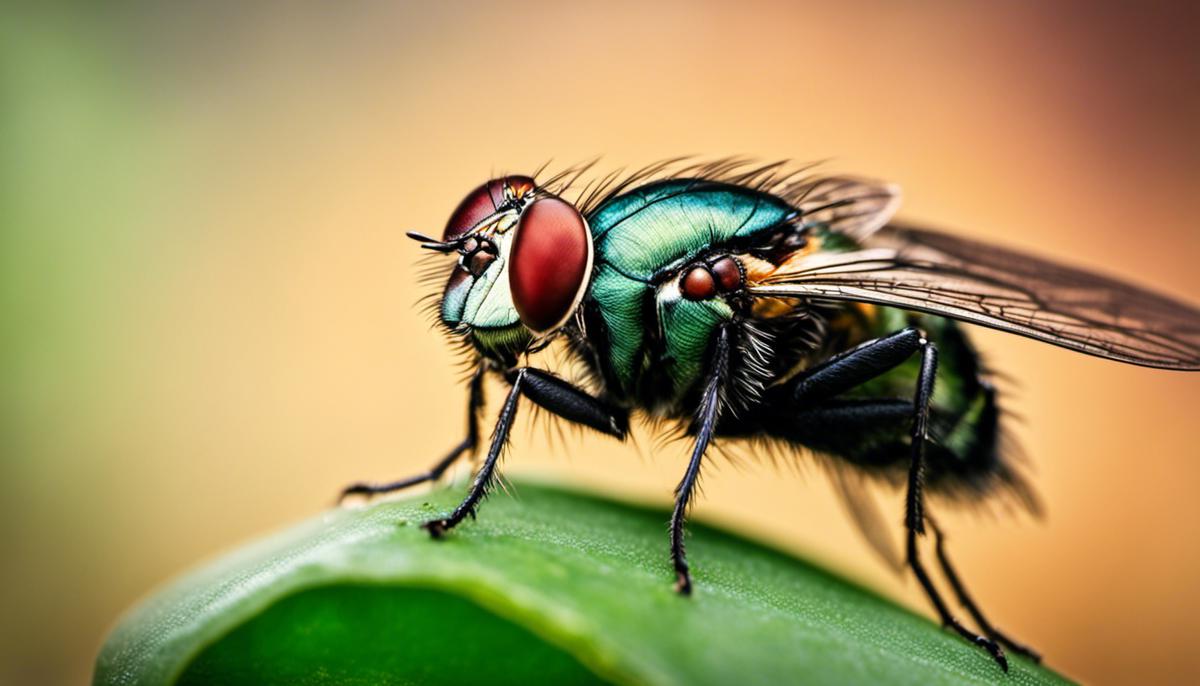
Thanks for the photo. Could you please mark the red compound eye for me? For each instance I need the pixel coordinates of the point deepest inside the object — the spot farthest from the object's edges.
(483, 202)
(549, 263)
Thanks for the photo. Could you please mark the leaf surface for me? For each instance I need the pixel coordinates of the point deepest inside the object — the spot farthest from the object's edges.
(548, 586)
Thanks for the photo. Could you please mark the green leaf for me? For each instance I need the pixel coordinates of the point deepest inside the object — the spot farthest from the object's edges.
(548, 586)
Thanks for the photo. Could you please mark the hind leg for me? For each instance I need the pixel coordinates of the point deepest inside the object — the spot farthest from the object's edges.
(967, 602)
(858, 365)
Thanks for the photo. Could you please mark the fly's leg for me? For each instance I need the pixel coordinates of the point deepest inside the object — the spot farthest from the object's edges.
(965, 599)
(468, 444)
(863, 363)
(915, 516)
(705, 425)
(551, 393)
(573, 404)
(487, 471)
(856, 366)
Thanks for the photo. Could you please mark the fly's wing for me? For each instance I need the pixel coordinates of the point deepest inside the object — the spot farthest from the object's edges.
(864, 513)
(926, 271)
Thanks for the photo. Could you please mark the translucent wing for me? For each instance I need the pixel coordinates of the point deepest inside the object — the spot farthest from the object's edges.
(1003, 289)
(852, 206)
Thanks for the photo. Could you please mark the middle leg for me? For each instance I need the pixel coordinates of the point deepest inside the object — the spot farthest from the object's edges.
(705, 425)
(483, 480)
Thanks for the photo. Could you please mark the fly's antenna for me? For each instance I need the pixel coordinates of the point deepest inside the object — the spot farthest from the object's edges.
(430, 243)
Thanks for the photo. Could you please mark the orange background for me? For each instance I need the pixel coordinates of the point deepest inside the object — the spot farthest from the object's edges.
(208, 299)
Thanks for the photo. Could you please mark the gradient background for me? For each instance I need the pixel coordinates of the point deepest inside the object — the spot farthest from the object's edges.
(208, 322)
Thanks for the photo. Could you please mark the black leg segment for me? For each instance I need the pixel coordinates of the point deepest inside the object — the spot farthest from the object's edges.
(705, 425)
(815, 393)
(487, 472)
(573, 404)
(914, 502)
(948, 620)
(914, 511)
(468, 444)
(967, 602)
(856, 366)
(551, 393)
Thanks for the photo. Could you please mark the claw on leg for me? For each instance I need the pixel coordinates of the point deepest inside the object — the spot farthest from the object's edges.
(353, 489)
(993, 648)
(1020, 649)
(683, 582)
(965, 599)
(436, 527)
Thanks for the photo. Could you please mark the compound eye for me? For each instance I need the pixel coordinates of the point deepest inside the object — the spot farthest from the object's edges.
(485, 201)
(473, 209)
(549, 263)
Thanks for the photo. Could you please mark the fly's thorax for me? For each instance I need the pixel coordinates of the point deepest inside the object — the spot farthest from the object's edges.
(659, 228)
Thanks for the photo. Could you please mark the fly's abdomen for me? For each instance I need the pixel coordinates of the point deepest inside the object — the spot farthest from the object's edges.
(966, 453)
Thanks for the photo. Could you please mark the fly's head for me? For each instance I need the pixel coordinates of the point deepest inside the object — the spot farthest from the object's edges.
(524, 263)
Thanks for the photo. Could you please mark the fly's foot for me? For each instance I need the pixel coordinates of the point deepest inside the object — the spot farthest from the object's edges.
(437, 528)
(683, 581)
(993, 648)
(1019, 649)
(361, 488)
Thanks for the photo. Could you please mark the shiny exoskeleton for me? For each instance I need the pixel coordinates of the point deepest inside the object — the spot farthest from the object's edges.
(750, 304)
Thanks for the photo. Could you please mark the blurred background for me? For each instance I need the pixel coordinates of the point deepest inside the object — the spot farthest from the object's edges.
(208, 320)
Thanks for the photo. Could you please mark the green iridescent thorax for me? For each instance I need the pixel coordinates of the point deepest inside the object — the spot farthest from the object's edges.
(656, 227)
(482, 306)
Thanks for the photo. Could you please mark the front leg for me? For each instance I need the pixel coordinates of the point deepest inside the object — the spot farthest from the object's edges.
(547, 391)
(467, 445)
(705, 424)
(571, 403)
(487, 472)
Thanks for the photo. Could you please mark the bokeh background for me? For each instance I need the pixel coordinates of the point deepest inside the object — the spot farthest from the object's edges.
(208, 303)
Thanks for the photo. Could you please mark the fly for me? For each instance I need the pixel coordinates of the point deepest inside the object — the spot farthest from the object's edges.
(754, 304)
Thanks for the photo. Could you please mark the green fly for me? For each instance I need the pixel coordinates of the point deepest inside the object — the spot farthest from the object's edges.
(757, 304)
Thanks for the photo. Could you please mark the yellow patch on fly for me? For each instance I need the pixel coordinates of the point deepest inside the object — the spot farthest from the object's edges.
(759, 271)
